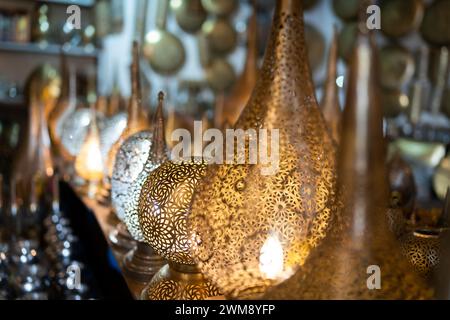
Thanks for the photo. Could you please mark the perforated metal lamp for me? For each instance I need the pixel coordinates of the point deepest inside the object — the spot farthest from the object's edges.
(163, 209)
(136, 122)
(138, 156)
(252, 230)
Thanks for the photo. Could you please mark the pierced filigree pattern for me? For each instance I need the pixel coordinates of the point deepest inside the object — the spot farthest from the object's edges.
(236, 210)
(132, 200)
(129, 163)
(164, 205)
(422, 251)
(128, 132)
(168, 285)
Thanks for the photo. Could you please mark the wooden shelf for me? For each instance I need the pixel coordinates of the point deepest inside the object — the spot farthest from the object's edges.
(47, 49)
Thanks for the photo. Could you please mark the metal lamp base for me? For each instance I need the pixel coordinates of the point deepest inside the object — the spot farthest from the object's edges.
(121, 239)
(179, 282)
(142, 263)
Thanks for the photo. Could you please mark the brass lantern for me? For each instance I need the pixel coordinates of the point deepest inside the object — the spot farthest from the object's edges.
(253, 230)
(136, 122)
(89, 162)
(360, 257)
(139, 155)
(164, 205)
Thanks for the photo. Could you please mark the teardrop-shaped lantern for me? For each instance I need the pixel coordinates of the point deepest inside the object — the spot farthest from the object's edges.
(255, 226)
(158, 154)
(89, 162)
(139, 155)
(34, 157)
(360, 257)
(330, 101)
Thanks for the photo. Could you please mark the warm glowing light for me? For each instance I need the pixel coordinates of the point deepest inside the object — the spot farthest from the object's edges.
(271, 258)
(89, 164)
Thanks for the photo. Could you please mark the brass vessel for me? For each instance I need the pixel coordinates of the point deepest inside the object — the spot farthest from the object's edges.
(241, 211)
(359, 250)
(163, 50)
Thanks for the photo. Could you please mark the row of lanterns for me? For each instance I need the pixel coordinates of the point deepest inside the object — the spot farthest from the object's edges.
(197, 231)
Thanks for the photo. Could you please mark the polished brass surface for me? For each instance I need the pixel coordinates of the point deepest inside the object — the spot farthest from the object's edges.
(330, 102)
(435, 25)
(220, 35)
(179, 282)
(358, 236)
(189, 14)
(399, 17)
(34, 157)
(237, 212)
(240, 93)
(220, 75)
(397, 66)
(220, 7)
(163, 50)
(136, 118)
(157, 154)
(142, 263)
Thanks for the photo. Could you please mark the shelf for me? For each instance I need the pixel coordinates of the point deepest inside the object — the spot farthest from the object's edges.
(47, 49)
(81, 3)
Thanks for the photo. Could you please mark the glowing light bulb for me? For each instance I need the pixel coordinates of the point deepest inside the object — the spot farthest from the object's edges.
(89, 164)
(271, 258)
